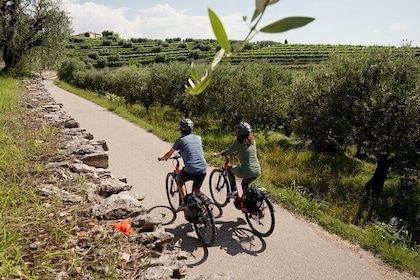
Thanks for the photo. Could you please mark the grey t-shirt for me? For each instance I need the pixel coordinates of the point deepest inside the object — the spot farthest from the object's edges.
(191, 149)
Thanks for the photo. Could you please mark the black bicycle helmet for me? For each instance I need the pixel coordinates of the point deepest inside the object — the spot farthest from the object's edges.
(243, 128)
(186, 124)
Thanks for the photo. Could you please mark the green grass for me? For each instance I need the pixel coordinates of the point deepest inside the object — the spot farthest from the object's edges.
(325, 189)
(38, 237)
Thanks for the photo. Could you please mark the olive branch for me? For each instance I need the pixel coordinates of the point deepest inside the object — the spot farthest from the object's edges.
(198, 84)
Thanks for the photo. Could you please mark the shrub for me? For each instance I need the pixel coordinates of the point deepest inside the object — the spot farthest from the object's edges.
(156, 49)
(195, 54)
(160, 58)
(114, 57)
(69, 68)
(101, 62)
(93, 55)
(107, 42)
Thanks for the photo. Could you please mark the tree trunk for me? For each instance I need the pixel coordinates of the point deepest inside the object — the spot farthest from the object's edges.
(10, 59)
(375, 186)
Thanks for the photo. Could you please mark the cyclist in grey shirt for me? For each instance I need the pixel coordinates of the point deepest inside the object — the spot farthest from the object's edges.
(190, 148)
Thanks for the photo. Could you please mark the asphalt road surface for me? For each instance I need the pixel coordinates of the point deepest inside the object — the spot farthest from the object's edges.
(296, 250)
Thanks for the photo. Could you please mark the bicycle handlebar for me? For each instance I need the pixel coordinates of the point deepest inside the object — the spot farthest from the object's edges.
(176, 157)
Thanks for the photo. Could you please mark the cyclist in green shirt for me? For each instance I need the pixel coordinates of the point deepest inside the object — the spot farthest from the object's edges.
(246, 149)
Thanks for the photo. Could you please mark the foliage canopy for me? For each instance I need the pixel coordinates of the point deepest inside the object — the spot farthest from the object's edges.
(36, 26)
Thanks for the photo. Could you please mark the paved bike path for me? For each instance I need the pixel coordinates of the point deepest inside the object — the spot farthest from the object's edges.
(296, 250)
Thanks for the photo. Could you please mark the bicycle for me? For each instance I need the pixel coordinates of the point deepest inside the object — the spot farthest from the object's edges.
(204, 221)
(260, 217)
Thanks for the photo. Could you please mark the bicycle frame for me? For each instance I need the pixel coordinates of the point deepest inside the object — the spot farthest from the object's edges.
(177, 166)
(261, 221)
(205, 226)
(240, 200)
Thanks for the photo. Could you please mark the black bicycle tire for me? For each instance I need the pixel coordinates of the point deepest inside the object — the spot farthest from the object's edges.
(258, 232)
(207, 243)
(171, 191)
(225, 188)
(216, 209)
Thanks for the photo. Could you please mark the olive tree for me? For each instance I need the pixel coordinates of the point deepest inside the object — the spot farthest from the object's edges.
(29, 25)
(166, 82)
(130, 83)
(372, 102)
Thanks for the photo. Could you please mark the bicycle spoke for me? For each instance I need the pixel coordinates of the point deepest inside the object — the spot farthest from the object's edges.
(262, 221)
(205, 227)
(218, 188)
(172, 191)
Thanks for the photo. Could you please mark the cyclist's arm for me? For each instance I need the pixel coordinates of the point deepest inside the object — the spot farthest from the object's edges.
(167, 155)
(233, 148)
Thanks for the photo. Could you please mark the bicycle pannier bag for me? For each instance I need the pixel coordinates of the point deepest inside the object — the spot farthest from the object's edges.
(194, 207)
(254, 198)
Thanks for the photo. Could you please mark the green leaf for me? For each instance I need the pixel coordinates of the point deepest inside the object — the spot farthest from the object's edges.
(217, 58)
(194, 74)
(261, 5)
(200, 86)
(286, 24)
(256, 14)
(219, 31)
(271, 2)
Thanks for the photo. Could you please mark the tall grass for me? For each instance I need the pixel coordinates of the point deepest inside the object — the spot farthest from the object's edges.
(38, 237)
(325, 189)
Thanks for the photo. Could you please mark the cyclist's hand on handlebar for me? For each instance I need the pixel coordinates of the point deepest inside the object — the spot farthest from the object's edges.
(161, 158)
(215, 155)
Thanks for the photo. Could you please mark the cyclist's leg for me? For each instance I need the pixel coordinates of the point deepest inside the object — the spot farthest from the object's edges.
(246, 182)
(231, 176)
(197, 182)
(181, 178)
(237, 171)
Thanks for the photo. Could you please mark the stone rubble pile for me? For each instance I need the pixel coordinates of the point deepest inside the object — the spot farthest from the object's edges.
(107, 197)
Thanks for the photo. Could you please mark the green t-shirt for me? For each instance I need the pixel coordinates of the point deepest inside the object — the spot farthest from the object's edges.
(247, 155)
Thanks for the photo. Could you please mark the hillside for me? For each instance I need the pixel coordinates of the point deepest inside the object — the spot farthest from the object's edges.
(111, 51)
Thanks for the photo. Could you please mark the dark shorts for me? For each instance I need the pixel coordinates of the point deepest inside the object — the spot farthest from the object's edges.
(198, 179)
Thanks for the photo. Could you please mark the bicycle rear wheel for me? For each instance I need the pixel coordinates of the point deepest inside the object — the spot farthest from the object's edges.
(205, 227)
(172, 192)
(262, 221)
(219, 187)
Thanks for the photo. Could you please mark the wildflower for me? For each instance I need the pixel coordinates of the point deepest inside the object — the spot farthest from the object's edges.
(124, 227)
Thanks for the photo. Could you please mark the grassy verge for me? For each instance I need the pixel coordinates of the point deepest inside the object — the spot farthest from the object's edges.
(40, 236)
(287, 167)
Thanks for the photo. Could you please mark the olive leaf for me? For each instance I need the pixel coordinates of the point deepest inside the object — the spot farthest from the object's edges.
(217, 58)
(262, 4)
(286, 24)
(198, 85)
(219, 31)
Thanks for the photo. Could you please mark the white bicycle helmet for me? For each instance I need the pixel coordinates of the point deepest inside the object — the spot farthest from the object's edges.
(243, 128)
(186, 124)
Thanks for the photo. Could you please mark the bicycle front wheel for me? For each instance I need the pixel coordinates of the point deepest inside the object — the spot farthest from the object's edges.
(172, 192)
(262, 221)
(219, 187)
(205, 227)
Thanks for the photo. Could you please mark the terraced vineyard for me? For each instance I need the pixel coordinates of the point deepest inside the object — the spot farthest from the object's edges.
(114, 52)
